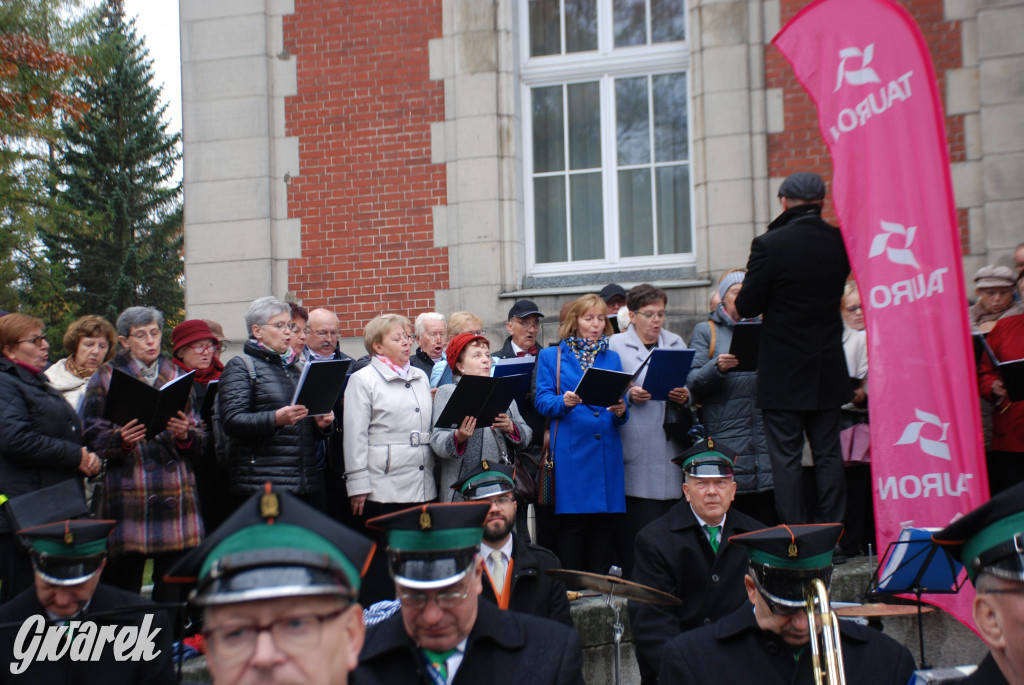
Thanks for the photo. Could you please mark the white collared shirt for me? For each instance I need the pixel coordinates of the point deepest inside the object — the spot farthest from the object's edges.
(702, 522)
(506, 554)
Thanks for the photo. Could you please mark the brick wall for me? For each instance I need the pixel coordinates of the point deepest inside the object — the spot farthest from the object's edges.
(366, 186)
(801, 148)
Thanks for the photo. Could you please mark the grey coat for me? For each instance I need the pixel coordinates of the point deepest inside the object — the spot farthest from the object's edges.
(729, 405)
(481, 445)
(646, 451)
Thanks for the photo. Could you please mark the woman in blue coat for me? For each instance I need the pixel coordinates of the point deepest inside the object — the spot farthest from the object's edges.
(589, 480)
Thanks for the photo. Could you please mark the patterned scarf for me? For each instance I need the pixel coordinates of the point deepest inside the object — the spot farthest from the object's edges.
(203, 376)
(402, 371)
(286, 358)
(75, 369)
(586, 351)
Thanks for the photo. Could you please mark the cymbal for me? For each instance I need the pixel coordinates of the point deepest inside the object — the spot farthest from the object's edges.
(611, 585)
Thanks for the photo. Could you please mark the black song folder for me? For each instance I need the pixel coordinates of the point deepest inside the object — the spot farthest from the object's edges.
(604, 387)
(321, 384)
(129, 398)
(746, 338)
(483, 398)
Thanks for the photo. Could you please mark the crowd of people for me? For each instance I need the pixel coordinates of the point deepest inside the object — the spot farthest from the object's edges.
(693, 495)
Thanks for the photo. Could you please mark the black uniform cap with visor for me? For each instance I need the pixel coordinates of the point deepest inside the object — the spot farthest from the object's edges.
(990, 539)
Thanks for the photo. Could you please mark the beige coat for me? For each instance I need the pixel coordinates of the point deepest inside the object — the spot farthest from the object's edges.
(70, 385)
(387, 436)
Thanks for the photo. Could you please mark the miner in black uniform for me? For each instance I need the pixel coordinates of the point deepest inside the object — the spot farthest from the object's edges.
(444, 628)
(514, 576)
(675, 553)
(278, 584)
(68, 558)
(770, 644)
(990, 541)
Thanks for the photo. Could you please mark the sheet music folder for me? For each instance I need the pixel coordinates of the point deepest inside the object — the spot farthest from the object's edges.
(668, 369)
(483, 398)
(321, 384)
(746, 339)
(129, 398)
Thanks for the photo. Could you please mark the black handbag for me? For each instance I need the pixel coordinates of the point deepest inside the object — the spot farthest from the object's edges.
(65, 500)
(525, 470)
(678, 422)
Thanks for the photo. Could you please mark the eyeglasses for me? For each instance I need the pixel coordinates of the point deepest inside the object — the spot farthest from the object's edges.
(146, 335)
(776, 608)
(1002, 591)
(474, 332)
(435, 336)
(222, 346)
(203, 347)
(292, 635)
(853, 308)
(36, 340)
(281, 325)
(653, 315)
(402, 338)
(333, 335)
(445, 600)
(528, 325)
(503, 501)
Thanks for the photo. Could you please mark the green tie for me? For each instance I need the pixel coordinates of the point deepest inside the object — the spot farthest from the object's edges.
(713, 536)
(439, 660)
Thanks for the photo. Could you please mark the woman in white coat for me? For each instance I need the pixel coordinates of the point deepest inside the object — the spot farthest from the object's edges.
(389, 465)
(653, 482)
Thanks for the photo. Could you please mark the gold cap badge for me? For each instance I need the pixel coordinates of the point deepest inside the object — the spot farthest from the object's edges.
(270, 507)
(793, 551)
(425, 521)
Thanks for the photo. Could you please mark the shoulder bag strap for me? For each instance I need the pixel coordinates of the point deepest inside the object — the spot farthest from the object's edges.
(711, 347)
(558, 389)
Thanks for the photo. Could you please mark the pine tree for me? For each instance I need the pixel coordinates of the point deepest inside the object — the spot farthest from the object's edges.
(120, 240)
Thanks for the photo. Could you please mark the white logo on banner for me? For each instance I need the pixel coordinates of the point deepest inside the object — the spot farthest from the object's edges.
(856, 77)
(912, 433)
(940, 484)
(896, 255)
(38, 642)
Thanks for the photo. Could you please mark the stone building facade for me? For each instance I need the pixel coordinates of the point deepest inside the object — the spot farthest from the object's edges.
(413, 155)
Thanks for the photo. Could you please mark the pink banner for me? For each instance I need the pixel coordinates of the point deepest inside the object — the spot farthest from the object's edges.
(867, 68)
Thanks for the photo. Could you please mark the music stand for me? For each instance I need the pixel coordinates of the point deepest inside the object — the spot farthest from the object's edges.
(913, 564)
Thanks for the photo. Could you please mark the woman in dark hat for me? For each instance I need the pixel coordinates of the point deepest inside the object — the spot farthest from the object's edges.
(459, 450)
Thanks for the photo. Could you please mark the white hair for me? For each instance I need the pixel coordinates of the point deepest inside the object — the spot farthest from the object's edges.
(426, 316)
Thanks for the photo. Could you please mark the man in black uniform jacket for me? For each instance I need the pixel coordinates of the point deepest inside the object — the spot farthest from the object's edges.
(278, 583)
(990, 541)
(68, 558)
(795, 278)
(769, 645)
(444, 627)
(675, 554)
(514, 575)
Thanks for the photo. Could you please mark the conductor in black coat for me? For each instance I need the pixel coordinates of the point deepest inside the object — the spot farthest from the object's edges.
(675, 554)
(68, 558)
(444, 627)
(770, 645)
(514, 576)
(795, 278)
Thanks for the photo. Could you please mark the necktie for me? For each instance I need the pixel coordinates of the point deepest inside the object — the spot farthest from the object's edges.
(439, 661)
(533, 350)
(499, 571)
(713, 536)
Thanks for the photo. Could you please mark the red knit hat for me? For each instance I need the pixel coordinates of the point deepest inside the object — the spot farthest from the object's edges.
(457, 344)
(188, 332)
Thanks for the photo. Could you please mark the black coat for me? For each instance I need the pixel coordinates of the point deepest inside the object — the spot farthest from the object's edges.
(533, 591)
(422, 361)
(736, 650)
(504, 647)
(40, 434)
(673, 555)
(795, 277)
(262, 451)
(102, 612)
(988, 673)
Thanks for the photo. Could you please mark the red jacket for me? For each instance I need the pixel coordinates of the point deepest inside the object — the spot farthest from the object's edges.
(1007, 343)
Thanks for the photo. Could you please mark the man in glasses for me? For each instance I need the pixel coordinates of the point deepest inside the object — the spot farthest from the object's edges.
(687, 553)
(69, 600)
(431, 330)
(515, 569)
(278, 584)
(771, 643)
(990, 542)
(444, 633)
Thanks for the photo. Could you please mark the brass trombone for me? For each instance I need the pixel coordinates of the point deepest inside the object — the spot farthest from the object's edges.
(826, 655)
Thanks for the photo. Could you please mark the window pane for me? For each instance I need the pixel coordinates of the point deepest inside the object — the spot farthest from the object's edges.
(549, 219)
(674, 210)
(633, 127)
(630, 22)
(584, 126)
(636, 229)
(668, 20)
(587, 216)
(548, 135)
(545, 38)
(670, 118)
(580, 25)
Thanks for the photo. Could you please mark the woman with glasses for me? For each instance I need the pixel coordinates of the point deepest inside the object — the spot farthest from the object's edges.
(149, 487)
(40, 436)
(653, 482)
(270, 439)
(855, 434)
(728, 401)
(90, 342)
(389, 465)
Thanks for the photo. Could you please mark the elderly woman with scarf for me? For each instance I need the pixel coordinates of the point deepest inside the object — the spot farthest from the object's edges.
(585, 444)
(90, 342)
(728, 402)
(150, 489)
(271, 439)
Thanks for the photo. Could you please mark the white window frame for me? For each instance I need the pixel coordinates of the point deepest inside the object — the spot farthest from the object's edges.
(603, 65)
